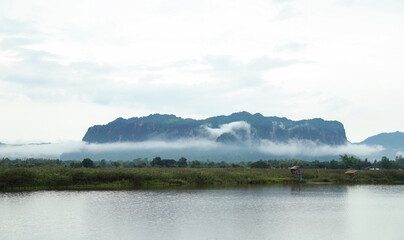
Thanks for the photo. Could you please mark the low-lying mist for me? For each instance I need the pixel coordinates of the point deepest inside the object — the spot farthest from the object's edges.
(242, 146)
(201, 149)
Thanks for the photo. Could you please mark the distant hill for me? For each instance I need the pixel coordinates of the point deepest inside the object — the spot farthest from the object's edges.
(393, 143)
(390, 140)
(235, 128)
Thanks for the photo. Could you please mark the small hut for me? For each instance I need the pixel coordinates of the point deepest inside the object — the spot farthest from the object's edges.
(295, 169)
(351, 172)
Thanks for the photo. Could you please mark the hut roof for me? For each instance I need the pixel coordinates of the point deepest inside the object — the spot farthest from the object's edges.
(351, 171)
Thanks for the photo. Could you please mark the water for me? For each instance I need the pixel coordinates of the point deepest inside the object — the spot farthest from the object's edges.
(276, 212)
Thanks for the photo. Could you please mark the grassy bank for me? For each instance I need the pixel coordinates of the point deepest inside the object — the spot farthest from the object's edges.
(119, 179)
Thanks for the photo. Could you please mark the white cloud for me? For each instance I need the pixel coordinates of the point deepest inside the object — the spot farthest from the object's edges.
(199, 58)
(229, 128)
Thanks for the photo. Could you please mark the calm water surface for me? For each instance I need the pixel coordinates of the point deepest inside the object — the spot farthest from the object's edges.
(276, 212)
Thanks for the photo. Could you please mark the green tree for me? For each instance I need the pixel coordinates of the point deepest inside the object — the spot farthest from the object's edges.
(333, 164)
(195, 164)
(76, 164)
(260, 164)
(103, 163)
(182, 163)
(386, 164)
(140, 163)
(116, 164)
(168, 163)
(156, 162)
(87, 163)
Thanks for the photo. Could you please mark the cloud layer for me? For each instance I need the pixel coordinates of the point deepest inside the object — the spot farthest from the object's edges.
(231, 128)
(206, 147)
(198, 59)
(291, 149)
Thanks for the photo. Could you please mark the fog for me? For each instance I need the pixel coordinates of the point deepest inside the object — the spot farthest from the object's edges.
(296, 148)
(247, 147)
(51, 150)
(232, 128)
(204, 148)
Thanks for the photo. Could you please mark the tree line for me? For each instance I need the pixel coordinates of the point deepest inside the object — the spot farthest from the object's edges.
(344, 162)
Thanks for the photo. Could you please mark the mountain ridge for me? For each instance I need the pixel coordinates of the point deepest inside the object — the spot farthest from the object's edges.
(393, 139)
(171, 127)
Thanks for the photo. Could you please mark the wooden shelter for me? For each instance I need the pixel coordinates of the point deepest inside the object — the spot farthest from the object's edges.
(351, 172)
(295, 169)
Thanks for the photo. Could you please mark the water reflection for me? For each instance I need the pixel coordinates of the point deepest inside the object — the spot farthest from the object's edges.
(276, 212)
(297, 188)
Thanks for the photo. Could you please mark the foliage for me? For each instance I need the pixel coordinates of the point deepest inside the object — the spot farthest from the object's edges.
(87, 163)
(135, 178)
(182, 163)
(345, 162)
(260, 164)
(165, 163)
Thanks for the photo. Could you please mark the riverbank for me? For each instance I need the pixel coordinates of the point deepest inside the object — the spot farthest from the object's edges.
(55, 178)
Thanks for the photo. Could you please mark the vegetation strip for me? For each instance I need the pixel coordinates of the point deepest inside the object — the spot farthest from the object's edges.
(345, 162)
(49, 178)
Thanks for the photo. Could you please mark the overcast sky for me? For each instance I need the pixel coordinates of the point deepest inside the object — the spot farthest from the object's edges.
(67, 65)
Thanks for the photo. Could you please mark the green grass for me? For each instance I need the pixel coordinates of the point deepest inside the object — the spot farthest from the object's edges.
(122, 178)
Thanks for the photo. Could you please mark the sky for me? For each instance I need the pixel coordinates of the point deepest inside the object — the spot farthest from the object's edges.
(68, 65)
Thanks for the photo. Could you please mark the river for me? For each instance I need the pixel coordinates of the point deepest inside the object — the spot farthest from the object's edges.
(264, 212)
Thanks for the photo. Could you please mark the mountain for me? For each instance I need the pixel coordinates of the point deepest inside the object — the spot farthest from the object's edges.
(391, 140)
(235, 128)
(393, 143)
